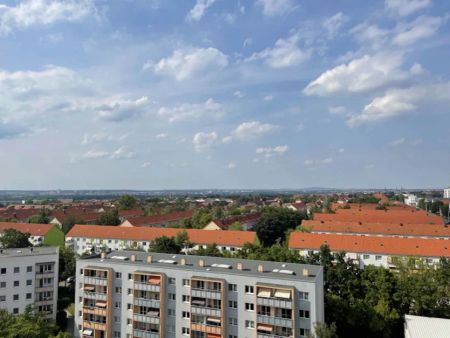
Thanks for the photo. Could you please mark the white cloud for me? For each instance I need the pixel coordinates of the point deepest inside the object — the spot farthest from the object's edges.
(316, 162)
(275, 7)
(285, 53)
(94, 154)
(397, 142)
(268, 98)
(183, 64)
(117, 110)
(231, 165)
(122, 153)
(359, 75)
(341, 150)
(397, 102)
(199, 9)
(271, 151)
(366, 33)
(186, 111)
(162, 135)
(337, 110)
(416, 142)
(252, 129)
(96, 137)
(421, 28)
(406, 7)
(202, 141)
(334, 23)
(400, 141)
(247, 42)
(146, 164)
(300, 127)
(369, 166)
(239, 94)
(42, 12)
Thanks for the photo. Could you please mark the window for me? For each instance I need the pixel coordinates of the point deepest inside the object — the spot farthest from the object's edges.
(249, 307)
(378, 258)
(249, 289)
(303, 295)
(130, 291)
(28, 296)
(304, 313)
(16, 269)
(232, 336)
(186, 298)
(186, 314)
(117, 334)
(3, 271)
(129, 306)
(233, 304)
(232, 287)
(29, 282)
(171, 312)
(366, 256)
(304, 332)
(29, 268)
(130, 276)
(185, 330)
(119, 275)
(186, 282)
(116, 319)
(16, 310)
(264, 310)
(2, 298)
(118, 289)
(117, 305)
(129, 321)
(232, 321)
(171, 328)
(172, 296)
(249, 324)
(2, 285)
(16, 297)
(172, 280)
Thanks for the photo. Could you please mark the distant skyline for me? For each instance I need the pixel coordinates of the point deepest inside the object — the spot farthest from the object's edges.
(224, 94)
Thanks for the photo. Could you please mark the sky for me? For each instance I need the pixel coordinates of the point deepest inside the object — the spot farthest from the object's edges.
(228, 94)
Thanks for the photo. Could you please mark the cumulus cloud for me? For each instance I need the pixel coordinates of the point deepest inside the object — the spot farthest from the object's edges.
(251, 129)
(334, 23)
(268, 98)
(231, 165)
(317, 162)
(239, 94)
(202, 141)
(397, 142)
(275, 7)
(337, 110)
(183, 64)
(96, 137)
(116, 110)
(199, 9)
(272, 151)
(359, 75)
(42, 12)
(162, 135)
(401, 101)
(406, 7)
(122, 153)
(94, 154)
(372, 34)
(421, 28)
(285, 53)
(185, 111)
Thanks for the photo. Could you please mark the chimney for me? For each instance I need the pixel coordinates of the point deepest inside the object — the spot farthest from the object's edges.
(103, 255)
(201, 263)
(149, 259)
(305, 272)
(183, 261)
(239, 266)
(133, 258)
(260, 268)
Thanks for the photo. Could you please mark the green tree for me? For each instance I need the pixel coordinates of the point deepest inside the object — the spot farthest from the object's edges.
(182, 240)
(211, 250)
(109, 218)
(165, 244)
(68, 223)
(322, 330)
(127, 202)
(42, 217)
(236, 226)
(201, 218)
(67, 262)
(12, 238)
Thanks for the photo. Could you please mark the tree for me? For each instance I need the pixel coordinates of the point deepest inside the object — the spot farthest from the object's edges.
(11, 238)
(211, 250)
(322, 330)
(236, 226)
(201, 218)
(182, 240)
(67, 263)
(68, 223)
(165, 244)
(109, 218)
(127, 202)
(42, 217)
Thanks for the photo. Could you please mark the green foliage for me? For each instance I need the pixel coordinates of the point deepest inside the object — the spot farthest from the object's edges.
(165, 244)
(68, 223)
(12, 238)
(211, 250)
(127, 202)
(363, 198)
(67, 262)
(274, 223)
(109, 218)
(201, 218)
(322, 330)
(42, 217)
(236, 226)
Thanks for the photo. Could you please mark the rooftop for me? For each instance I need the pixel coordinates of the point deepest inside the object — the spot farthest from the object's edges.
(215, 265)
(33, 229)
(418, 327)
(32, 251)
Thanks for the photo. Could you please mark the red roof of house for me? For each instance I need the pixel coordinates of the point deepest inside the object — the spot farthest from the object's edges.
(131, 213)
(20, 214)
(243, 219)
(32, 228)
(389, 229)
(198, 236)
(427, 247)
(158, 219)
(61, 216)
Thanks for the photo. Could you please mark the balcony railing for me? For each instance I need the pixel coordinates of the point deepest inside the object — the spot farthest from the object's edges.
(95, 295)
(206, 311)
(145, 334)
(276, 321)
(206, 294)
(206, 328)
(147, 287)
(147, 302)
(96, 280)
(146, 318)
(274, 302)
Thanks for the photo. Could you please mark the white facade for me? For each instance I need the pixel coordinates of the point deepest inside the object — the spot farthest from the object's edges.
(447, 193)
(411, 200)
(420, 327)
(29, 277)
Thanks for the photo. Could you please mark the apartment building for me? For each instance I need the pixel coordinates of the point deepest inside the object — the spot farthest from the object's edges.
(95, 238)
(382, 251)
(447, 193)
(29, 277)
(133, 294)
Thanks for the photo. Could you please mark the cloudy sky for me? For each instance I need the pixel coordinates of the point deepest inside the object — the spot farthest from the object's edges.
(153, 94)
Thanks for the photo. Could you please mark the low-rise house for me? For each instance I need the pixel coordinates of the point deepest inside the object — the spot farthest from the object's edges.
(59, 217)
(40, 234)
(247, 222)
(388, 252)
(95, 238)
(125, 214)
(296, 206)
(163, 220)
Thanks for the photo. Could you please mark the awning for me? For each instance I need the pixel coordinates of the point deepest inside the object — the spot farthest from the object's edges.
(100, 303)
(264, 293)
(154, 280)
(282, 294)
(89, 288)
(266, 328)
(153, 313)
(198, 302)
(214, 320)
(88, 332)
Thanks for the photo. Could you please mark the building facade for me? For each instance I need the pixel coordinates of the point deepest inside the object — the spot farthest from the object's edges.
(447, 192)
(134, 294)
(29, 277)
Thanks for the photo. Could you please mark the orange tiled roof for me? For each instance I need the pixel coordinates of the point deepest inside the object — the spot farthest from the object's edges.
(131, 213)
(157, 219)
(427, 247)
(31, 228)
(235, 238)
(381, 216)
(388, 229)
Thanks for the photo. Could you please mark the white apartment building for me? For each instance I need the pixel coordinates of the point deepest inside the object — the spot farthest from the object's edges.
(29, 277)
(447, 192)
(411, 200)
(132, 294)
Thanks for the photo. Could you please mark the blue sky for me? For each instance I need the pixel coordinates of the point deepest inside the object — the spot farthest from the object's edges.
(149, 94)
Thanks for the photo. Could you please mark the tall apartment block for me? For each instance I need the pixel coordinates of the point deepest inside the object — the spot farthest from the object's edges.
(134, 294)
(29, 276)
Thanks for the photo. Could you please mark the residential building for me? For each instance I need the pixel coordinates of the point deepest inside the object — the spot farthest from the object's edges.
(411, 200)
(246, 221)
(96, 238)
(419, 327)
(447, 192)
(132, 294)
(388, 252)
(163, 220)
(29, 277)
(296, 206)
(40, 234)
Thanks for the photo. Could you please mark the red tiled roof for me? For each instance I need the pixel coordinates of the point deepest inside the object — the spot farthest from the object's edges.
(234, 238)
(158, 219)
(21, 214)
(388, 229)
(427, 247)
(31, 228)
(131, 213)
(243, 219)
(380, 216)
(83, 216)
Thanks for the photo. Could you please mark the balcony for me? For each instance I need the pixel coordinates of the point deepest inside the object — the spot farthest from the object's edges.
(94, 325)
(95, 295)
(268, 335)
(145, 334)
(44, 288)
(204, 293)
(44, 302)
(274, 302)
(205, 311)
(206, 328)
(93, 310)
(96, 280)
(147, 287)
(146, 302)
(45, 274)
(149, 319)
(275, 321)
